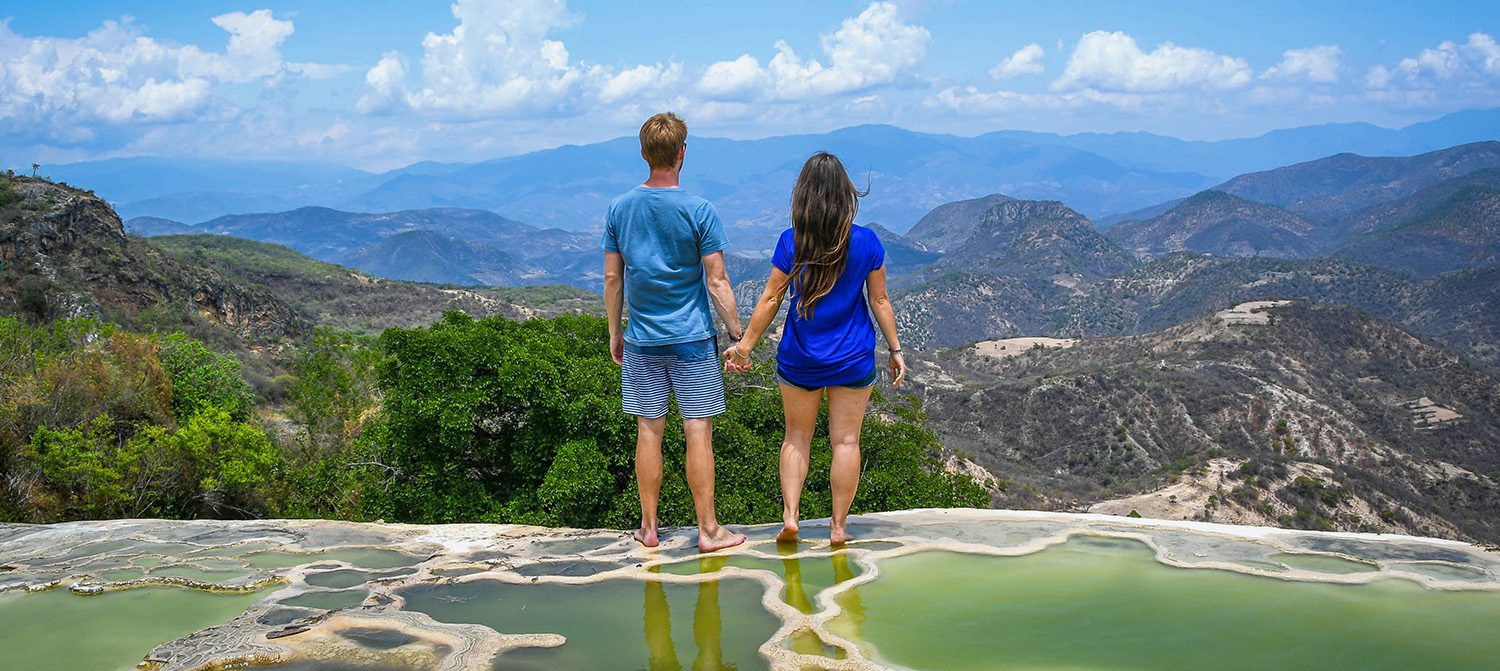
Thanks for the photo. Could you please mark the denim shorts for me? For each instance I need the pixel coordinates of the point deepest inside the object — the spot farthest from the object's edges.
(863, 383)
(691, 372)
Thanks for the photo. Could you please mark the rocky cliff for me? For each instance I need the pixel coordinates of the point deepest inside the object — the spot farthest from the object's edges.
(64, 252)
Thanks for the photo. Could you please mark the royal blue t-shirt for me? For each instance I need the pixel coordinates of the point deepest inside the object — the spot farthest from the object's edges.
(837, 346)
(663, 235)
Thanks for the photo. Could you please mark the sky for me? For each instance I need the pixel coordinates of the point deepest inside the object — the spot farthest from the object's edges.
(378, 84)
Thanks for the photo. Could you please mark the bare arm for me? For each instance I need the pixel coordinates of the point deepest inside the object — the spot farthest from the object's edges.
(614, 302)
(765, 311)
(721, 293)
(885, 316)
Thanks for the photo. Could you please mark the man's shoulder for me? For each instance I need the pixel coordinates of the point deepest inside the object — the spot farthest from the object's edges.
(627, 197)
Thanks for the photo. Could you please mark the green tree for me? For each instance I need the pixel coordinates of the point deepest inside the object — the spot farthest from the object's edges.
(203, 378)
(520, 422)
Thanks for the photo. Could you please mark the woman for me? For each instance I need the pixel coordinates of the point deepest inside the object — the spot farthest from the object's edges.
(828, 344)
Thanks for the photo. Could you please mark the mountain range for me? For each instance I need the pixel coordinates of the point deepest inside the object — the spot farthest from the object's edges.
(909, 173)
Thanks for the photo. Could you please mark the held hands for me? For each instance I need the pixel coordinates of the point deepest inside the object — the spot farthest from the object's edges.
(735, 360)
(898, 369)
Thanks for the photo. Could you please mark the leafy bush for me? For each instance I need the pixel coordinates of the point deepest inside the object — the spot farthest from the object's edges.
(508, 421)
(202, 378)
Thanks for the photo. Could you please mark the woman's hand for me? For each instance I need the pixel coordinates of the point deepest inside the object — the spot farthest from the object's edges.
(898, 370)
(735, 360)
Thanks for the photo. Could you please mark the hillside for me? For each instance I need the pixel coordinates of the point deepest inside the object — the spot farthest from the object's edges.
(902, 255)
(1215, 222)
(1015, 274)
(430, 256)
(1459, 232)
(1341, 185)
(449, 245)
(333, 295)
(64, 252)
(948, 225)
(1318, 416)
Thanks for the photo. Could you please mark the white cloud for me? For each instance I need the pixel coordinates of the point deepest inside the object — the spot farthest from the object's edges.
(1113, 62)
(867, 50)
(734, 79)
(387, 85)
(641, 79)
(496, 60)
(1025, 61)
(1445, 76)
(500, 61)
(116, 75)
(1318, 64)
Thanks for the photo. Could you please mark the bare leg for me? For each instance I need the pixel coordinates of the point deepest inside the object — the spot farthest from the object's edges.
(801, 410)
(846, 415)
(648, 474)
(700, 474)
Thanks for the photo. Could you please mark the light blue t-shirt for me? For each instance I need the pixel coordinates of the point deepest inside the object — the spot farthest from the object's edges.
(663, 235)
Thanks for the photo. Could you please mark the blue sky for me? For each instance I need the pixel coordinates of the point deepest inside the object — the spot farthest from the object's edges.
(378, 84)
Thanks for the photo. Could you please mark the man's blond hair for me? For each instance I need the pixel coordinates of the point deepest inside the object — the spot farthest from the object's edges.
(662, 138)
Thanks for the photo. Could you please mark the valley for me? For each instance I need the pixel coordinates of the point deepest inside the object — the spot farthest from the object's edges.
(1311, 346)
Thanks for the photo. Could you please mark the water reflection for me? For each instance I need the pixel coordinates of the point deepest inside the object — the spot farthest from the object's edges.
(804, 579)
(708, 624)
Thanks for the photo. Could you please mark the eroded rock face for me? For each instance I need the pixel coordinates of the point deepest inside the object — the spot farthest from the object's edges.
(70, 247)
(382, 596)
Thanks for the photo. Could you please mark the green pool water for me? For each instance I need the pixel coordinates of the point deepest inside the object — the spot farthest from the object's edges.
(614, 624)
(58, 630)
(1088, 605)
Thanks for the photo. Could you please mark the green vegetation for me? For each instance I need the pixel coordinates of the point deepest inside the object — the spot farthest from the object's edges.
(509, 421)
(489, 420)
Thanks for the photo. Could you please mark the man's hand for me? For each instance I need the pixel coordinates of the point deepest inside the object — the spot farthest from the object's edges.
(736, 361)
(617, 348)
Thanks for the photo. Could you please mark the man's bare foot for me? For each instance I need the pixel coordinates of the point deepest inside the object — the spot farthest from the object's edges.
(646, 537)
(838, 536)
(718, 540)
(788, 533)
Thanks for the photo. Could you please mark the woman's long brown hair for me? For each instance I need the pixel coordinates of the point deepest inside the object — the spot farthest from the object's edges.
(824, 203)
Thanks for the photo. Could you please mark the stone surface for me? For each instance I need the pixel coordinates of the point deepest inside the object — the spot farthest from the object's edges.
(336, 590)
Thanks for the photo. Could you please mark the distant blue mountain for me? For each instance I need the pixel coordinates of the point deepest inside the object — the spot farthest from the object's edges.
(909, 173)
(1227, 158)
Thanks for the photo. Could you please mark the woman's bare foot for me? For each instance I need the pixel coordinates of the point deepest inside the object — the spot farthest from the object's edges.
(838, 536)
(646, 536)
(788, 533)
(719, 539)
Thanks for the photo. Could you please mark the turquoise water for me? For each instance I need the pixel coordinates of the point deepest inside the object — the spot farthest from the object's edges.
(1082, 606)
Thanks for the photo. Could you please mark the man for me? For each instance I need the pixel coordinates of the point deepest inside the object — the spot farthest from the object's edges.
(664, 256)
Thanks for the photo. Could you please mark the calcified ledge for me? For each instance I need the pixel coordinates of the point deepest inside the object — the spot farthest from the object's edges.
(332, 578)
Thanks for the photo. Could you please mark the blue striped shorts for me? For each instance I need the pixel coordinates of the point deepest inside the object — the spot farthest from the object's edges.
(689, 371)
